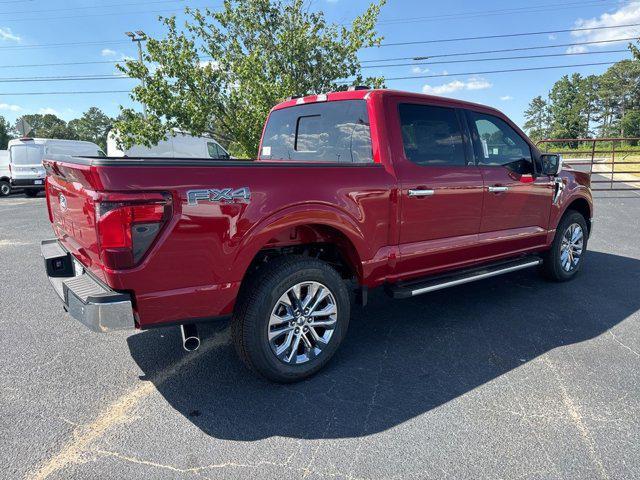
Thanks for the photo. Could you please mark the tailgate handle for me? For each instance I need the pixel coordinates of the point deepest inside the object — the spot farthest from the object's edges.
(498, 189)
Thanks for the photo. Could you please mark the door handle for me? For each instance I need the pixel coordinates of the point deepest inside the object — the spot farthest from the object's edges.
(498, 189)
(421, 193)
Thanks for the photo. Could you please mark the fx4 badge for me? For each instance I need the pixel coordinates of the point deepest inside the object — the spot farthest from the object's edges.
(215, 195)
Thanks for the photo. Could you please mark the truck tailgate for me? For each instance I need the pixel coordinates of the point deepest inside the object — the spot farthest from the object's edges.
(70, 198)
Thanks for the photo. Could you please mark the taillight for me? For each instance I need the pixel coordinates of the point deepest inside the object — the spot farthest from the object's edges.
(127, 227)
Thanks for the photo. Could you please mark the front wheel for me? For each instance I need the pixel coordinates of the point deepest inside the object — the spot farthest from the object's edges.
(566, 256)
(290, 318)
(5, 188)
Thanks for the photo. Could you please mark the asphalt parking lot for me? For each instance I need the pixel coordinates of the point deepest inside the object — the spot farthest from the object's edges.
(511, 377)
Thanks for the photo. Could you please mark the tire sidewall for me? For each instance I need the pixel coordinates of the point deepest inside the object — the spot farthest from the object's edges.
(309, 270)
(568, 219)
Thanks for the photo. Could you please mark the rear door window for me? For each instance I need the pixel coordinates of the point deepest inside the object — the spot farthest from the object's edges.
(26, 154)
(431, 135)
(319, 132)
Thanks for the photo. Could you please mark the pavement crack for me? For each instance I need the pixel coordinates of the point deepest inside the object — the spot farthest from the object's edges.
(576, 417)
(623, 345)
(115, 414)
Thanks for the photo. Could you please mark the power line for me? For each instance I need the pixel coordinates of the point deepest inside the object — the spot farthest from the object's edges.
(63, 78)
(60, 64)
(503, 11)
(519, 57)
(66, 93)
(502, 50)
(48, 18)
(66, 44)
(393, 59)
(505, 35)
(73, 9)
(486, 72)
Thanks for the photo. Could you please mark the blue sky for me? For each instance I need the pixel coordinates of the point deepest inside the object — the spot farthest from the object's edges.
(28, 28)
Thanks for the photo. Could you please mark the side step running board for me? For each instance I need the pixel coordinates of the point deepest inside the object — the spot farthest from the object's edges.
(431, 284)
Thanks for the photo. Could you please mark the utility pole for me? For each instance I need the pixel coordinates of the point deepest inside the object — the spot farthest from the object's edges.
(139, 36)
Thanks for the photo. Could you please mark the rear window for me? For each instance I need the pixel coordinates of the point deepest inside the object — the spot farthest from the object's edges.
(319, 132)
(26, 154)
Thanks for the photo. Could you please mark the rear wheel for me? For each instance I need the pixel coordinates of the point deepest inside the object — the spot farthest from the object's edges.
(564, 260)
(5, 188)
(31, 193)
(290, 318)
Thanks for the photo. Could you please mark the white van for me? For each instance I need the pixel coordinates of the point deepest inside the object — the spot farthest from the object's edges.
(5, 174)
(181, 145)
(25, 159)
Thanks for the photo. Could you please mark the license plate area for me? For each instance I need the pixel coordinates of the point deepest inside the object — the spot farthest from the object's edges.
(37, 182)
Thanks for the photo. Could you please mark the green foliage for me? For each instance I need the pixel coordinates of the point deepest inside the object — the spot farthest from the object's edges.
(49, 126)
(583, 106)
(5, 133)
(92, 126)
(630, 125)
(635, 50)
(537, 119)
(263, 51)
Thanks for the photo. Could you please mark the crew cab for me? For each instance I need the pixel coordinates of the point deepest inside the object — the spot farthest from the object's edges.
(372, 188)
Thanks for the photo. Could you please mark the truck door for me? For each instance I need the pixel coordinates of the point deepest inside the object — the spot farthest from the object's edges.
(516, 207)
(440, 188)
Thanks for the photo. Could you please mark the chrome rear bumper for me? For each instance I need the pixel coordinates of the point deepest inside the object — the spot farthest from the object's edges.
(85, 298)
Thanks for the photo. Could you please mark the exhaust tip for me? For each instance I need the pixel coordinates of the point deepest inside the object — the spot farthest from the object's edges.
(190, 338)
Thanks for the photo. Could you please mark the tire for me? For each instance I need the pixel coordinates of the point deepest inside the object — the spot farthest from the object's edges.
(260, 309)
(555, 266)
(5, 188)
(31, 193)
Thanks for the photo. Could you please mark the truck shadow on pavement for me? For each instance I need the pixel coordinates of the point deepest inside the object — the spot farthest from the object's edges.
(400, 358)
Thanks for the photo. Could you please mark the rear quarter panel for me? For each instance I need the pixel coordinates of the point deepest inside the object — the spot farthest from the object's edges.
(195, 268)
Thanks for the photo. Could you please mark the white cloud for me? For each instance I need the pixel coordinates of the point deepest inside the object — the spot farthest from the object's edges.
(553, 36)
(417, 69)
(577, 49)
(626, 15)
(7, 34)
(214, 64)
(478, 84)
(474, 83)
(107, 52)
(10, 107)
(48, 110)
(506, 98)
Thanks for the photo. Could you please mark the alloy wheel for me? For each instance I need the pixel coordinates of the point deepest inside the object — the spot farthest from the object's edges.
(571, 247)
(302, 322)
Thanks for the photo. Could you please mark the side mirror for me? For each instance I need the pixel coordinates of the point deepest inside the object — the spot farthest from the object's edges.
(551, 164)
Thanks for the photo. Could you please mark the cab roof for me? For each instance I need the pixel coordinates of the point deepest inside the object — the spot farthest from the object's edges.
(369, 93)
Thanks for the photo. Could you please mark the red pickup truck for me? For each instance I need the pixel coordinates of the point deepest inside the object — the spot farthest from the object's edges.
(350, 191)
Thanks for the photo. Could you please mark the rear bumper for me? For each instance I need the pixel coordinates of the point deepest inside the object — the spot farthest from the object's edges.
(27, 183)
(87, 300)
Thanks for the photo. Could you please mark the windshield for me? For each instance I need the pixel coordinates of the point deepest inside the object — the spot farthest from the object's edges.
(26, 155)
(330, 131)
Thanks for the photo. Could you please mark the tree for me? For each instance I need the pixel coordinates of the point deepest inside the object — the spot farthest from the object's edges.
(49, 126)
(92, 126)
(567, 107)
(619, 92)
(537, 119)
(5, 133)
(262, 51)
(631, 125)
(635, 50)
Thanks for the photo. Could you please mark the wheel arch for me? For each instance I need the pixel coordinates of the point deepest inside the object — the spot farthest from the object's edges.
(582, 206)
(323, 233)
